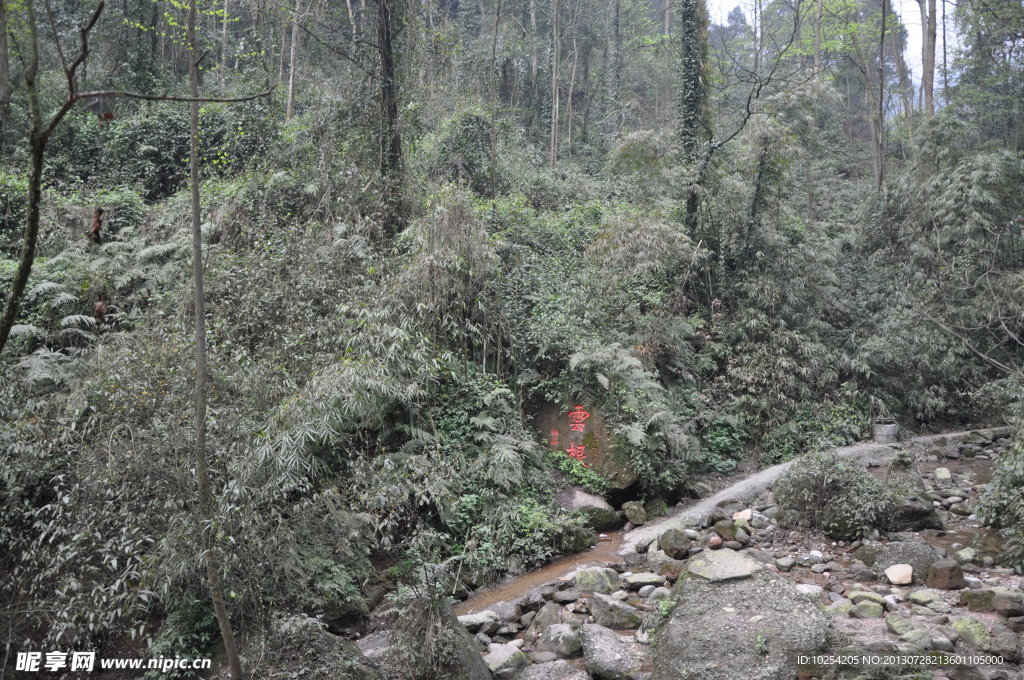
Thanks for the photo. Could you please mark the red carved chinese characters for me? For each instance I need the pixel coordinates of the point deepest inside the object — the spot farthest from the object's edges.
(577, 451)
(577, 418)
(553, 442)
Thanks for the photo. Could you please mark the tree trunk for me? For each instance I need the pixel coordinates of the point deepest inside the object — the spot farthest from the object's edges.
(494, 106)
(928, 29)
(37, 138)
(879, 126)
(293, 58)
(6, 86)
(553, 137)
(691, 102)
(224, 44)
(206, 513)
(817, 38)
(391, 141)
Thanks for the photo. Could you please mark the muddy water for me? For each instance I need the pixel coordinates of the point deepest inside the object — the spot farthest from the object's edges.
(602, 553)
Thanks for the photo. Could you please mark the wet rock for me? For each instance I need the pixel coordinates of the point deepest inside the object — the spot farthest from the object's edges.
(965, 555)
(962, 509)
(504, 661)
(560, 639)
(596, 580)
(553, 670)
(723, 565)
(752, 627)
(607, 657)
(945, 575)
(612, 613)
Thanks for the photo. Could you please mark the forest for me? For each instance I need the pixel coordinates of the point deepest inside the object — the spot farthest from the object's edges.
(321, 319)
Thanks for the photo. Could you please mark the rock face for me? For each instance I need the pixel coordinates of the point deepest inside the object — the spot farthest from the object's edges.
(723, 565)
(602, 516)
(607, 657)
(752, 628)
(611, 613)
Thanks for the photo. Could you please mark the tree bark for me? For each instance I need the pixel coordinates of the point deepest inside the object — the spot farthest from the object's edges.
(206, 511)
(391, 141)
(928, 30)
(553, 136)
(817, 38)
(293, 58)
(494, 106)
(6, 86)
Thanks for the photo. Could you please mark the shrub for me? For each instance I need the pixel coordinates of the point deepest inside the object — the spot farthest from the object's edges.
(831, 494)
(1002, 504)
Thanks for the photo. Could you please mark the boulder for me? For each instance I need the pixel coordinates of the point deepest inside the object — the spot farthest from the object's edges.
(645, 578)
(612, 613)
(867, 610)
(553, 670)
(723, 565)
(1008, 601)
(548, 615)
(598, 512)
(918, 554)
(635, 512)
(900, 574)
(607, 657)
(505, 661)
(560, 639)
(675, 544)
(858, 596)
(596, 580)
(945, 575)
(973, 632)
(724, 629)
(785, 563)
(980, 600)
(485, 622)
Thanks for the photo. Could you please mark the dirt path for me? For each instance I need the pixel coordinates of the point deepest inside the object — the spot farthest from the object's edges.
(869, 454)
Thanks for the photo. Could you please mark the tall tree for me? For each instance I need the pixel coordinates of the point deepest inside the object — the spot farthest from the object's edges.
(206, 512)
(692, 94)
(6, 84)
(391, 166)
(928, 31)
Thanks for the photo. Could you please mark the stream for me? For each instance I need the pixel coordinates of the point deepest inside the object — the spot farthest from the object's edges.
(611, 546)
